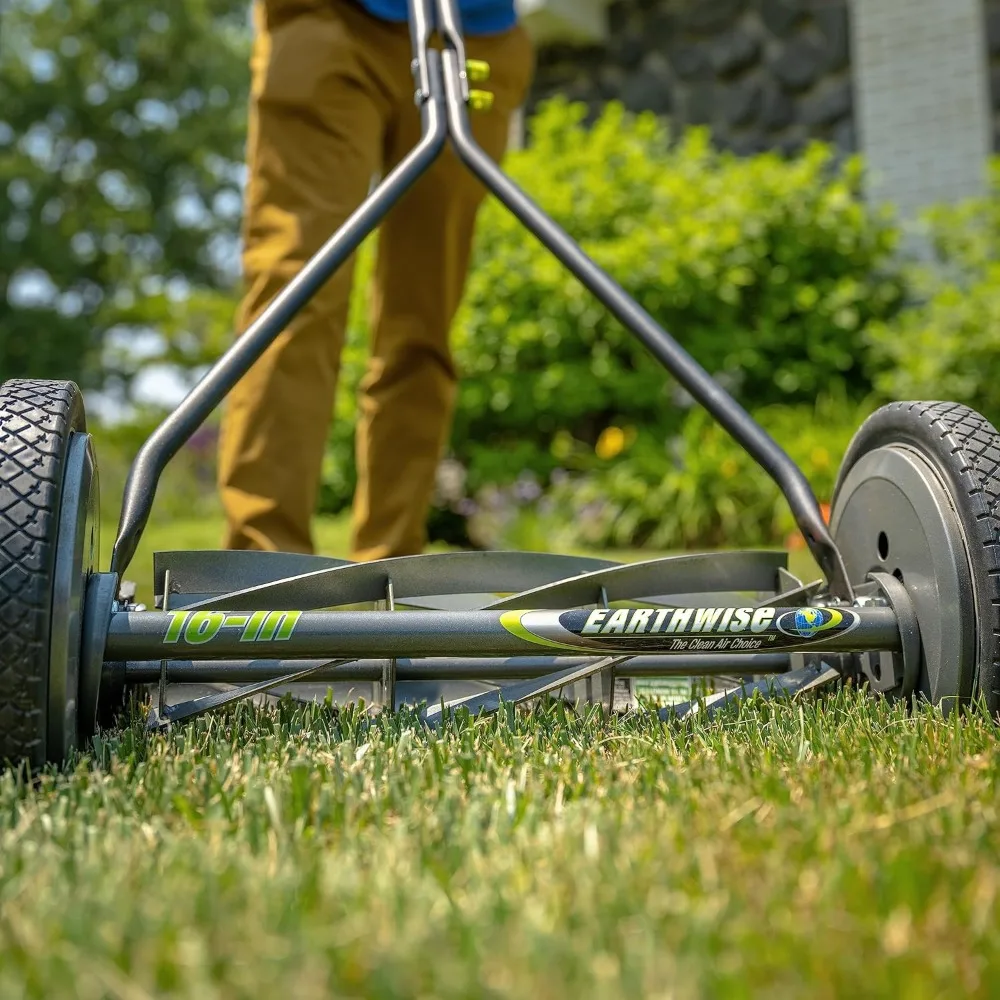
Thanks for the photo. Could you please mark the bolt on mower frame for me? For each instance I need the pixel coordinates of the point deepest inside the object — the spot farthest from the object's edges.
(909, 603)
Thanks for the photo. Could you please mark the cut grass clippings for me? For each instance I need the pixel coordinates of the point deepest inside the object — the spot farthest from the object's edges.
(819, 849)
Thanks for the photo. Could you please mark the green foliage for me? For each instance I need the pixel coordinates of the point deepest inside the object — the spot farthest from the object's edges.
(767, 270)
(121, 136)
(713, 493)
(704, 490)
(948, 345)
(823, 848)
(187, 488)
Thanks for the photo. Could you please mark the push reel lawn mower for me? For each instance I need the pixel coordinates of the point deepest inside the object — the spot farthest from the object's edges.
(909, 603)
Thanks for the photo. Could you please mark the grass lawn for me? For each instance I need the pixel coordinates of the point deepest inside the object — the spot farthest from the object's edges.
(825, 848)
(828, 849)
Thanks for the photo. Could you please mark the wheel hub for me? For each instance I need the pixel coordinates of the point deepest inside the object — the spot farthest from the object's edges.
(892, 515)
(76, 557)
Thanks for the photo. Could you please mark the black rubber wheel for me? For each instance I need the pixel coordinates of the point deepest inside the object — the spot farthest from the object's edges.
(41, 426)
(917, 497)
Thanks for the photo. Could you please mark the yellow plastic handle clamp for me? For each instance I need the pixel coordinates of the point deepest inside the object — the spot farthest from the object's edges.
(480, 100)
(477, 70)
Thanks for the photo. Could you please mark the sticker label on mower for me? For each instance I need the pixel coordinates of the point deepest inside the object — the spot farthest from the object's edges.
(197, 627)
(669, 630)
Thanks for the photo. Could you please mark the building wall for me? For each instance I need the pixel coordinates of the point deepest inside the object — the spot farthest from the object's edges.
(762, 73)
(913, 84)
(922, 86)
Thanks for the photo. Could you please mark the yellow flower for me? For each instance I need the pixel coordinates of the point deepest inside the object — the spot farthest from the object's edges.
(610, 443)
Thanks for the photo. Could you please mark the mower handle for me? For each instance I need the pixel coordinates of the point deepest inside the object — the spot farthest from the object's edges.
(442, 93)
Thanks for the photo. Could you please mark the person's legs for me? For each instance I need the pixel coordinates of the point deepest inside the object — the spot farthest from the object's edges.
(423, 255)
(318, 113)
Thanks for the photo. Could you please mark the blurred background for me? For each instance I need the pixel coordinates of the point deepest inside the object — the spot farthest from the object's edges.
(801, 191)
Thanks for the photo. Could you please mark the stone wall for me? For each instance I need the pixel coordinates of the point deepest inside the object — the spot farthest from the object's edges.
(761, 73)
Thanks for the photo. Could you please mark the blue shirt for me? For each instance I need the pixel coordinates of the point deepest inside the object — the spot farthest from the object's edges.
(479, 17)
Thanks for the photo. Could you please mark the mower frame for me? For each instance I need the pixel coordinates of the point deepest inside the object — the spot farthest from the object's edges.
(261, 620)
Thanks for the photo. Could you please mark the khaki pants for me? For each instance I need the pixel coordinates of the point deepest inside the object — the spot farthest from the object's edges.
(331, 107)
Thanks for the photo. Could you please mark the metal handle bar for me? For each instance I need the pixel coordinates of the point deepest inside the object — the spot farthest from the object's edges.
(442, 92)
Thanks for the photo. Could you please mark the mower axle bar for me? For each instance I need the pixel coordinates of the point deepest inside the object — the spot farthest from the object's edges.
(448, 668)
(228, 635)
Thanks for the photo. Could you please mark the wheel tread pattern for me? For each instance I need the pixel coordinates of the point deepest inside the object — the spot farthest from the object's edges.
(36, 418)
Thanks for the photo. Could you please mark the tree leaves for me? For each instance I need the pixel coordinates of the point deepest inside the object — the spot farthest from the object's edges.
(121, 140)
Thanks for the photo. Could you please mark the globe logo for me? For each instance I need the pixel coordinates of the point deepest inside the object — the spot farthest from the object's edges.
(814, 623)
(809, 621)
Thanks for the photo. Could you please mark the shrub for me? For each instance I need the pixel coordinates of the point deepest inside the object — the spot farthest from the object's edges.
(948, 345)
(767, 270)
(706, 492)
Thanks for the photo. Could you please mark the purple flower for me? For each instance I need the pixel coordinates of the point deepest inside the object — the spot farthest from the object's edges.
(526, 489)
